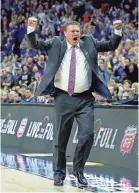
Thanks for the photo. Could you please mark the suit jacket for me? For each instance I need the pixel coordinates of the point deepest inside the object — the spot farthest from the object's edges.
(56, 48)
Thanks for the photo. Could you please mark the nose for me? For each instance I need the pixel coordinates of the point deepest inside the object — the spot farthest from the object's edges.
(75, 33)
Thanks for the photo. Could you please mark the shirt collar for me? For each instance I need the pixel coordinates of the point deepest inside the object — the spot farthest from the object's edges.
(69, 46)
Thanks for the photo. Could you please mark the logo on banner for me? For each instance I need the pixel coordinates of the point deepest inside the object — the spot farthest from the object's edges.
(22, 127)
(8, 125)
(128, 139)
(98, 124)
(41, 130)
(104, 136)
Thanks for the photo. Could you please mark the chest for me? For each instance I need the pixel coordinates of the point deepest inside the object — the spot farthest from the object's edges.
(78, 56)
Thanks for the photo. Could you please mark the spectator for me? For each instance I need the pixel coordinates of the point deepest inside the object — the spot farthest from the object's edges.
(22, 91)
(132, 72)
(34, 71)
(29, 96)
(11, 96)
(127, 85)
(36, 81)
(25, 76)
(135, 88)
(86, 17)
(107, 74)
(18, 98)
(5, 97)
(7, 80)
(114, 90)
(17, 76)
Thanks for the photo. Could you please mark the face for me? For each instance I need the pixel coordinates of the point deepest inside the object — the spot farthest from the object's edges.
(4, 96)
(37, 76)
(16, 97)
(73, 34)
(87, 29)
(135, 87)
(101, 64)
(11, 95)
(35, 69)
(128, 46)
(131, 68)
(28, 94)
(111, 89)
(127, 62)
(25, 69)
(8, 75)
(126, 85)
(17, 71)
(3, 72)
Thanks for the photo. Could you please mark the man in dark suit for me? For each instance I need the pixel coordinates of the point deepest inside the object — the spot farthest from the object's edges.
(72, 65)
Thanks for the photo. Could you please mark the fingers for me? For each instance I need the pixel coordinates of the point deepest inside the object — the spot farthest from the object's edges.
(32, 22)
(117, 24)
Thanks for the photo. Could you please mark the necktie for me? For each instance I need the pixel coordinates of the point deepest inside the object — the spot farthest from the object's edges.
(72, 72)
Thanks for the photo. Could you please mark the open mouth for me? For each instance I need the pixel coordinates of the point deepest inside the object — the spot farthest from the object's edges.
(75, 38)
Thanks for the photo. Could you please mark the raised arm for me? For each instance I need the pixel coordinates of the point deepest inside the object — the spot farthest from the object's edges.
(31, 38)
(112, 44)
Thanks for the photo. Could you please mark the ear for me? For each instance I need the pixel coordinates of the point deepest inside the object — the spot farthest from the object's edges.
(65, 33)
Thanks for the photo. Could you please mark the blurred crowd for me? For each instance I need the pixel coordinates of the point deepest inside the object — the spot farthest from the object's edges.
(23, 68)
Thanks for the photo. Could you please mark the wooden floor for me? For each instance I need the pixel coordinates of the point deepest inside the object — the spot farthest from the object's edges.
(17, 181)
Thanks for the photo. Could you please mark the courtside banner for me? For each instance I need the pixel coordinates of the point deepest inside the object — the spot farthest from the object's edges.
(29, 129)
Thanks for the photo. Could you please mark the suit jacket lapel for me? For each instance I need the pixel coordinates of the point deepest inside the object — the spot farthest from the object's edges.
(62, 51)
(85, 52)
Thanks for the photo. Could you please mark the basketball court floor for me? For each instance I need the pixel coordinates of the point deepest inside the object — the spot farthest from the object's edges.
(33, 173)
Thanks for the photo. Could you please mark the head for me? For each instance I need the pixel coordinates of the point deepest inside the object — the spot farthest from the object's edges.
(8, 75)
(127, 84)
(35, 69)
(29, 60)
(4, 96)
(17, 97)
(113, 88)
(3, 72)
(11, 95)
(72, 32)
(22, 90)
(29, 93)
(131, 67)
(127, 61)
(25, 68)
(128, 44)
(87, 28)
(135, 87)
(38, 76)
(101, 64)
(17, 70)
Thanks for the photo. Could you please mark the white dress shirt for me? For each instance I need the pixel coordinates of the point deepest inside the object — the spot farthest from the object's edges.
(83, 75)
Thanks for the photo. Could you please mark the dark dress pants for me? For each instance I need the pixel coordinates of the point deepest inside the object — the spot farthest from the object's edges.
(67, 108)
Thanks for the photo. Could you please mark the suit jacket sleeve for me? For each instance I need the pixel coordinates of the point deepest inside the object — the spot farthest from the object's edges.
(110, 45)
(38, 45)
